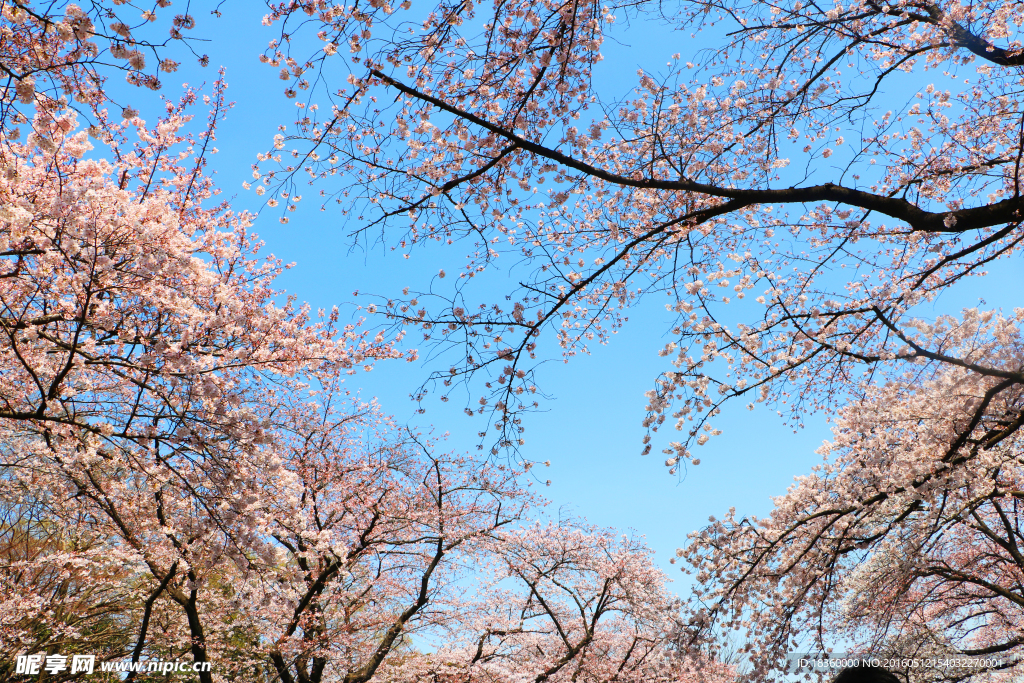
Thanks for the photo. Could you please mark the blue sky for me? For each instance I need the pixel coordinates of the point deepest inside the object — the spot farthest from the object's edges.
(591, 429)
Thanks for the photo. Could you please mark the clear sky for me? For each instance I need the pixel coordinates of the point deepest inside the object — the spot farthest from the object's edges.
(591, 430)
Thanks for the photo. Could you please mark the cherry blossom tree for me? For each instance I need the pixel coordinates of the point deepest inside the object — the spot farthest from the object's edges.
(375, 530)
(905, 541)
(139, 331)
(567, 602)
(780, 170)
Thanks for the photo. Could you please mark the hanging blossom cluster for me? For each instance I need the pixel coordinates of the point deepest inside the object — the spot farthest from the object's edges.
(792, 217)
